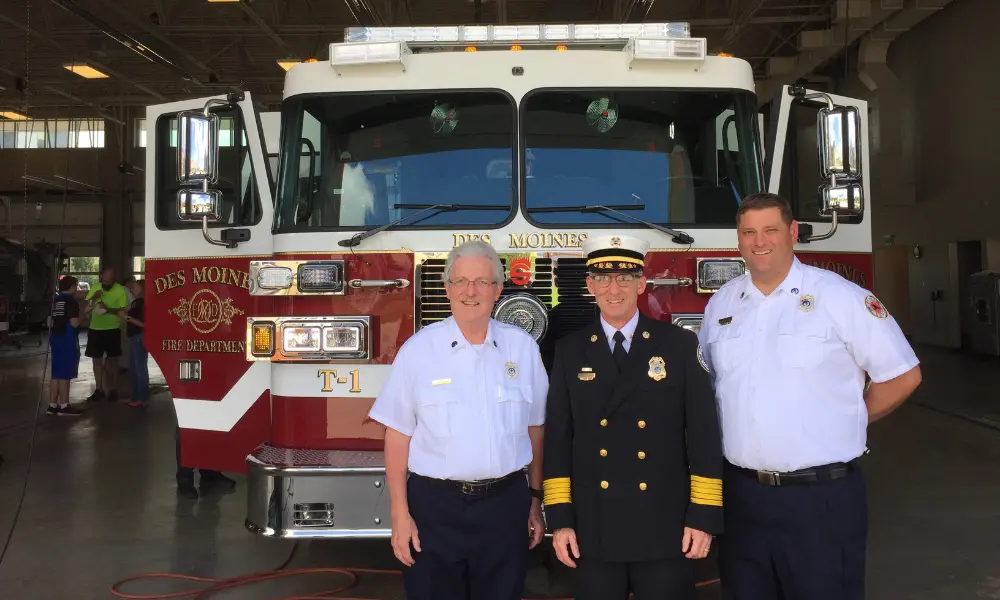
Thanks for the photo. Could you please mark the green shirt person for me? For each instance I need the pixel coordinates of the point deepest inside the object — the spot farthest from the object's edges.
(104, 335)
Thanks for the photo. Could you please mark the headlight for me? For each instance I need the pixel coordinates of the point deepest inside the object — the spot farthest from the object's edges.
(342, 338)
(525, 311)
(713, 273)
(282, 339)
(274, 278)
(300, 339)
(327, 276)
(691, 322)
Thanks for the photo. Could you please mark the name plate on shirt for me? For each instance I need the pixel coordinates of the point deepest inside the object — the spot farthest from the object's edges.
(441, 381)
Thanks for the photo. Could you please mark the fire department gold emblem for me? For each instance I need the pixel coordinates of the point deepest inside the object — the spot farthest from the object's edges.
(616, 242)
(205, 311)
(657, 368)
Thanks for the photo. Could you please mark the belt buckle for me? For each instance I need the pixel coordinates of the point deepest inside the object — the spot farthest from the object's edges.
(468, 487)
(769, 478)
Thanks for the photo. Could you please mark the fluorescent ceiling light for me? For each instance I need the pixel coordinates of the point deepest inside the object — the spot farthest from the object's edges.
(13, 116)
(224, 0)
(85, 71)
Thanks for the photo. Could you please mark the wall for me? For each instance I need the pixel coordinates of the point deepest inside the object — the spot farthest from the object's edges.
(941, 191)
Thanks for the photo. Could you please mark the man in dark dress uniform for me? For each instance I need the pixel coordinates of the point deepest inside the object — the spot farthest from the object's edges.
(633, 455)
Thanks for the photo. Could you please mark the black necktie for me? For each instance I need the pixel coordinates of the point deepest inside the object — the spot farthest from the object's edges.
(619, 351)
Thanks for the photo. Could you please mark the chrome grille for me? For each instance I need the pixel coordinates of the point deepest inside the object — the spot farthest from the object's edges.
(575, 306)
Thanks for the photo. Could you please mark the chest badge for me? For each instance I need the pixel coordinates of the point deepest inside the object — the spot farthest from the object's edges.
(657, 368)
(806, 303)
(510, 369)
(586, 374)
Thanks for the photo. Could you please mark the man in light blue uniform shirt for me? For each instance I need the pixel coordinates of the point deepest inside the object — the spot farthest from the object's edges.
(789, 347)
(464, 409)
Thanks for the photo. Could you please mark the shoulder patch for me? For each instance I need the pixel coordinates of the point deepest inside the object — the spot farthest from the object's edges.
(875, 307)
(701, 359)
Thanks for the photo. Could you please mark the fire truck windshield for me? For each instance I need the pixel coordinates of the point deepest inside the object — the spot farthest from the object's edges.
(358, 161)
(687, 156)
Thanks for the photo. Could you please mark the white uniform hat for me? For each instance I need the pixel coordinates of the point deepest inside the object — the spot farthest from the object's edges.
(614, 252)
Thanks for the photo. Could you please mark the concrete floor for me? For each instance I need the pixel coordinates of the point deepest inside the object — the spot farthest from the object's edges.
(101, 504)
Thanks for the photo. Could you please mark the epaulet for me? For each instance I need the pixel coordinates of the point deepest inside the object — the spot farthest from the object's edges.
(734, 281)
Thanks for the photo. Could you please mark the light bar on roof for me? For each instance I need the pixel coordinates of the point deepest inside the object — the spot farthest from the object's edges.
(666, 49)
(505, 34)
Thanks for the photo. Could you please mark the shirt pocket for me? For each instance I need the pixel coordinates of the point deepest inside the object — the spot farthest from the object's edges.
(727, 345)
(435, 407)
(514, 403)
(802, 342)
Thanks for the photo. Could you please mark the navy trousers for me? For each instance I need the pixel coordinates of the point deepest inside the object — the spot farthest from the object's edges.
(667, 579)
(793, 542)
(472, 547)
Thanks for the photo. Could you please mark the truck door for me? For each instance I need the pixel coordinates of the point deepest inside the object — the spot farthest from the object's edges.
(197, 269)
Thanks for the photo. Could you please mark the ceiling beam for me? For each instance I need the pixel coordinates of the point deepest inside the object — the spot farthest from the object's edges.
(68, 55)
(60, 92)
(289, 53)
(333, 30)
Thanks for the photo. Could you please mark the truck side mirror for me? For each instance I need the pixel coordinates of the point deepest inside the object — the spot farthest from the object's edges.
(842, 200)
(198, 205)
(197, 147)
(839, 132)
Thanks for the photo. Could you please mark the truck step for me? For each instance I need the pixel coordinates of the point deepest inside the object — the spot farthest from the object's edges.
(304, 458)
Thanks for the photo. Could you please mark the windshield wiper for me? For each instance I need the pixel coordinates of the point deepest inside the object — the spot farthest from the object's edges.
(679, 237)
(357, 238)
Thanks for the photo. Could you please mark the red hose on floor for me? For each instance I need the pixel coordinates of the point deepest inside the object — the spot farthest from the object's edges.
(218, 585)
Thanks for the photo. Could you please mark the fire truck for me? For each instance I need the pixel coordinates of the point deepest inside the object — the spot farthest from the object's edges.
(289, 255)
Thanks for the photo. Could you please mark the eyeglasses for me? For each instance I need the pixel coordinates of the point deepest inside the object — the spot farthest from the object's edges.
(603, 280)
(482, 283)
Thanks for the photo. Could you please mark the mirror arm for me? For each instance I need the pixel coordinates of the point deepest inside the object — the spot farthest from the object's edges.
(204, 225)
(828, 234)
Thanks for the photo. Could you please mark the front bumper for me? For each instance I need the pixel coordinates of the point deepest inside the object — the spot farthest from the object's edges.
(317, 494)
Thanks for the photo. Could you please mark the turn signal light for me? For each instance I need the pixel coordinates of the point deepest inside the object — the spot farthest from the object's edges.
(262, 343)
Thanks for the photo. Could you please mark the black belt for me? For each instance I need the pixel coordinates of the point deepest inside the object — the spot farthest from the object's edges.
(479, 487)
(810, 475)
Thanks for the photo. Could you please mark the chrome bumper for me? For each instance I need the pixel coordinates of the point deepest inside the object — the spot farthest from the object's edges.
(317, 494)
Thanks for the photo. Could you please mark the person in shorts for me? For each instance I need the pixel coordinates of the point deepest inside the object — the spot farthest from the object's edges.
(104, 337)
(65, 347)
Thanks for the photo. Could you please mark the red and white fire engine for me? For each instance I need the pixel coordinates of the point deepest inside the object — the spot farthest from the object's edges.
(290, 255)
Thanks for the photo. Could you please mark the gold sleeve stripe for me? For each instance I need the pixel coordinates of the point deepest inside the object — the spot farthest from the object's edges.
(706, 489)
(706, 481)
(556, 491)
(706, 502)
(707, 496)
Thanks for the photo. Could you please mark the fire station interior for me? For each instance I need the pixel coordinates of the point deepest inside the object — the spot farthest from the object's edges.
(90, 500)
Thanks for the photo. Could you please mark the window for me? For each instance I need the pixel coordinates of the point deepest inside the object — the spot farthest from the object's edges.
(240, 197)
(87, 269)
(358, 161)
(684, 157)
(226, 138)
(138, 266)
(51, 133)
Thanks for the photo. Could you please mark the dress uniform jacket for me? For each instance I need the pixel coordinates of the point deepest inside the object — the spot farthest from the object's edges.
(632, 458)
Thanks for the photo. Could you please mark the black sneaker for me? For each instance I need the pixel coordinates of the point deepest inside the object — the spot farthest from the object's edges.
(187, 491)
(70, 411)
(97, 396)
(52, 411)
(217, 482)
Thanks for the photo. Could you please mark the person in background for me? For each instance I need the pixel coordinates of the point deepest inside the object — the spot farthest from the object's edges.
(65, 347)
(139, 365)
(104, 337)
